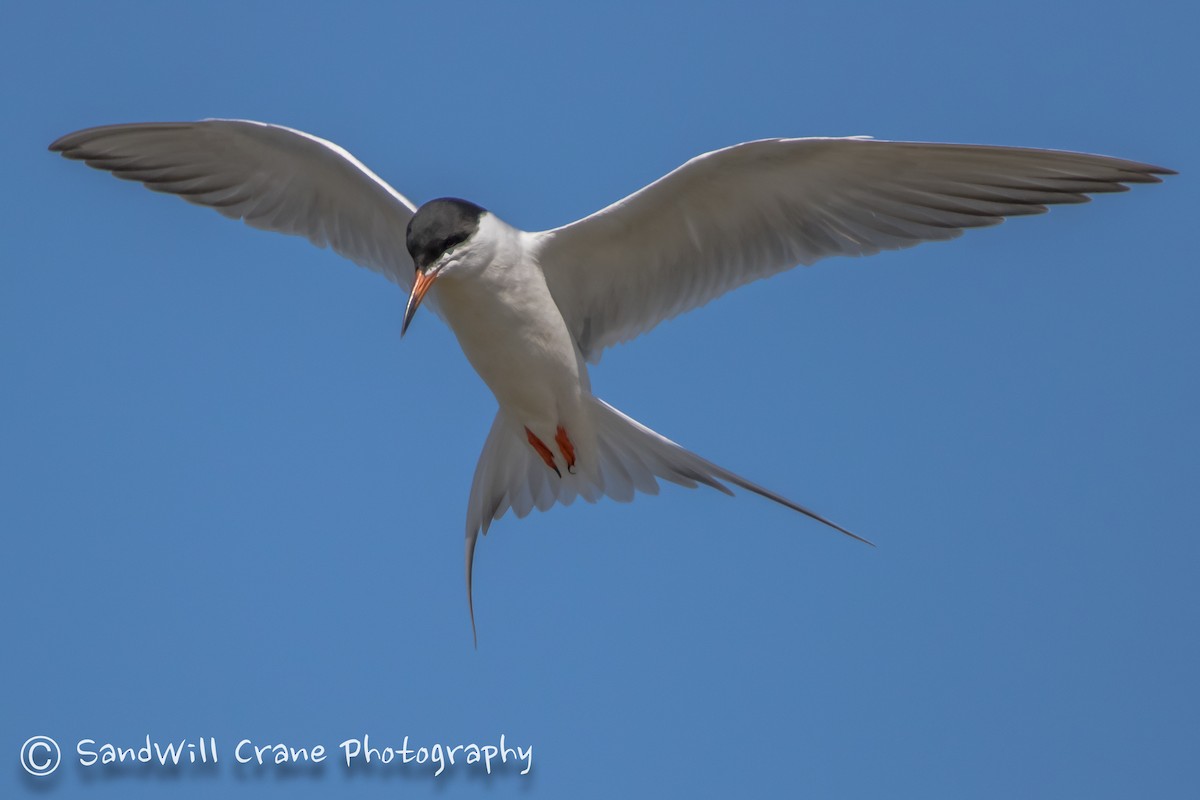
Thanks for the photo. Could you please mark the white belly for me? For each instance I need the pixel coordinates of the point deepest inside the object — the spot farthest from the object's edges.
(514, 336)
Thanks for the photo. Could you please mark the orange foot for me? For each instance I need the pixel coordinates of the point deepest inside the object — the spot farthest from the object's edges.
(566, 448)
(543, 451)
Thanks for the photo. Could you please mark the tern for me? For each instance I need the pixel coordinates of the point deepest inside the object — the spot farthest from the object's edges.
(532, 310)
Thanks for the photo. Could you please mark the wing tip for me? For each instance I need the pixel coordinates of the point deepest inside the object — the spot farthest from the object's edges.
(75, 138)
(1155, 174)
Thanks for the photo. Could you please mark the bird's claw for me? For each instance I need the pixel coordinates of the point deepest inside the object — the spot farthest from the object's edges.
(566, 447)
(543, 451)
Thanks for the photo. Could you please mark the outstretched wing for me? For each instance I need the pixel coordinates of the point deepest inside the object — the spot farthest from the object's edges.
(273, 178)
(735, 215)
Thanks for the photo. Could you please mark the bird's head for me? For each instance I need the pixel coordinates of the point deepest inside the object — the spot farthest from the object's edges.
(441, 241)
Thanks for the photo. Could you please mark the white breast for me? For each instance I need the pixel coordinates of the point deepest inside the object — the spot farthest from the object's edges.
(513, 333)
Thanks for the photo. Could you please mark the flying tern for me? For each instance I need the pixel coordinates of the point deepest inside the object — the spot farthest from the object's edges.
(532, 310)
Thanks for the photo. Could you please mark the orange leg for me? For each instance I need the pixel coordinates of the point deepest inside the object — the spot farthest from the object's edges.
(542, 451)
(566, 448)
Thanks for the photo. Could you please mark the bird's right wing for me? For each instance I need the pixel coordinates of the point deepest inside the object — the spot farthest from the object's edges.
(732, 216)
(273, 177)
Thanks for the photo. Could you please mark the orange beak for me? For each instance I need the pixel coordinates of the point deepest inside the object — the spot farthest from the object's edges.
(420, 287)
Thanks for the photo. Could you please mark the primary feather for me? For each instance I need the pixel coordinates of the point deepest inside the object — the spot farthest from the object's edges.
(735, 215)
(272, 177)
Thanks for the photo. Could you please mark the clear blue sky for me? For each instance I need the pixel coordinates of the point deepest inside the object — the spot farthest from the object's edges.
(233, 499)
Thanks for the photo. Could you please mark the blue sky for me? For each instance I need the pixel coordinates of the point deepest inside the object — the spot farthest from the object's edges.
(233, 498)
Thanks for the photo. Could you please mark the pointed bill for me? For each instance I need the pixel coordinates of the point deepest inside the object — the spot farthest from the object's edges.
(420, 287)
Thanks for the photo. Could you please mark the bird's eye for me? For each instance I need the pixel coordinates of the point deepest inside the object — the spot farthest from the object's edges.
(452, 243)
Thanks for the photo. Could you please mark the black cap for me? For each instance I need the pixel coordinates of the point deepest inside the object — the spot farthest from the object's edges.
(439, 225)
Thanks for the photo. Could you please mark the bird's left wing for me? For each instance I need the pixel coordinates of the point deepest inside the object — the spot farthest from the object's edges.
(732, 216)
(273, 177)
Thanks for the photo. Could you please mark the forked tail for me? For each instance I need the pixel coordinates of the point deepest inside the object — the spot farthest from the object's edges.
(632, 457)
